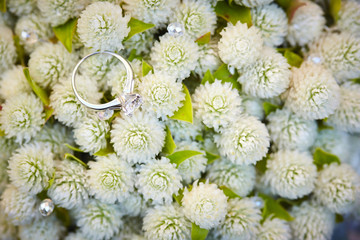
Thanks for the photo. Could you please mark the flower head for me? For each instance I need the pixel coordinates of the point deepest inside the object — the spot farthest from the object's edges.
(21, 7)
(252, 3)
(274, 229)
(42, 229)
(209, 59)
(7, 229)
(141, 43)
(134, 205)
(349, 17)
(7, 49)
(184, 131)
(13, 82)
(253, 106)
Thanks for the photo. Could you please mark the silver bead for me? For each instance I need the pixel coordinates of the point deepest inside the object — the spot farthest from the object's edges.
(259, 202)
(46, 207)
(176, 29)
(30, 37)
(231, 69)
(105, 115)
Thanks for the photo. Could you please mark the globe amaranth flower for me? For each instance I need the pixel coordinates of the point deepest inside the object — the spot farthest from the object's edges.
(75, 236)
(110, 179)
(13, 82)
(7, 49)
(349, 17)
(313, 92)
(49, 63)
(21, 7)
(272, 23)
(134, 205)
(98, 220)
(101, 26)
(245, 141)
(216, 104)
(239, 45)
(57, 12)
(291, 132)
(19, 208)
(158, 180)
(290, 174)
(177, 56)
(268, 77)
(7, 229)
(139, 138)
(340, 53)
(337, 187)
(70, 188)
(205, 205)
(31, 167)
(311, 221)
(209, 59)
(91, 134)
(67, 109)
(4, 178)
(141, 43)
(274, 229)
(197, 17)
(7, 147)
(253, 106)
(131, 229)
(184, 131)
(22, 117)
(42, 229)
(166, 222)
(239, 178)
(241, 221)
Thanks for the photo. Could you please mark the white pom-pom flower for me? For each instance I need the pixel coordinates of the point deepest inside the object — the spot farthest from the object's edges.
(184, 131)
(290, 174)
(166, 222)
(337, 187)
(274, 229)
(4, 178)
(272, 22)
(253, 106)
(13, 82)
(21, 7)
(268, 77)
(349, 17)
(7, 229)
(205, 205)
(158, 180)
(239, 45)
(239, 178)
(177, 56)
(141, 43)
(139, 138)
(161, 93)
(110, 179)
(216, 104)
(245, 141)
(134, 205)
(22, 117)
(101, 26)
(7, 49)
(209, 59)
(313, 93)
(42, 229)
(252, 3)
(291, 132)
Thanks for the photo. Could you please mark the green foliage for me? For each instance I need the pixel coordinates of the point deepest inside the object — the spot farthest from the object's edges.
(75, 149)
(146, 68)
(292, 58)
(72, 157)
(169, 145)
(269, 108)
(261, 165)
(19, 50)
(65, 33)
(322, 158)
(198, 233)
(211, 157)
(223, 74)
(208, 77)
(105, 151)
(233, 13)
(41, 93)
(285, 4)
(137, 26)
(273, 208)
(335, 6)
(228, 192)
(185, 113)
(3, 5)
(180, 156)
(204, 39)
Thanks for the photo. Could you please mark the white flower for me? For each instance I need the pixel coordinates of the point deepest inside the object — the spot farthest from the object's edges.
(166, 222)
(21, 7)
(272, 22)
(347, 116)
(13, 82)
(252, 3)
(239, 178)
(216, 104)
(67, 109)
(291, 132)
(161, 93)
(70, 188)
(31, 167)
(337, 187)
(20, 208)
(205, 205)
(274, 229)
(110, 179)
(253, 106)
(313, 93)
(158, 180)
(197, 17)
(134, 205)
(177, 56)
(99, 220)
(7, 229)
(139, 138)
(311, 221)
(340, 53)
(209, 59)
(101, 26)
(290, 174)
(349, 17)
(42, 229)
(7, 147)
(91, 133)
(268, 77)
(184, 131)
(4, 178)
(7, 49)
(241, 221)
(75, 236)
(156, 12)
(240, 45)
(21, 117)
(245, 141)
(131, 230)
(49, 63)
(140, 42)
(57, 12)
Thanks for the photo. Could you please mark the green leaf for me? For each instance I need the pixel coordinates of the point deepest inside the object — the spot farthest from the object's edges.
(2, 133)
(228, 192)
(322, 158)
(169, 145)
(204, 39)
(133, 55)
(185, 113)
(271, 207)
(63, 215)
(72, 157)
(51, 181)
(285, 4)
(293, 59)
(137, 26)
(180, 156)
(105, 151)
(48, 112)
(146, 68)
(75, 149)
(65, 33)
(335, 6)
(37, 90)
(261, 165)
(208, 77)
(211, 157)
(198, 233)
(322, 125)
(179, 196)
(233, 13)
(339, 218)
(355, 80)
(292, 8)
(269, 108)
(19, 50)
(224, 75)
(3, 5)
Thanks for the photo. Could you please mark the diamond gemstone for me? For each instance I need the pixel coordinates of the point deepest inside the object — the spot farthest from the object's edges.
(176, 29)
(130, 102)
(46, 207)
(29, 36)
(105, 115)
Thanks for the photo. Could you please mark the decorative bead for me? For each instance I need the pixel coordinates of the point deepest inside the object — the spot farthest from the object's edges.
(105, 115)
(176, 29)
(46, 207)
